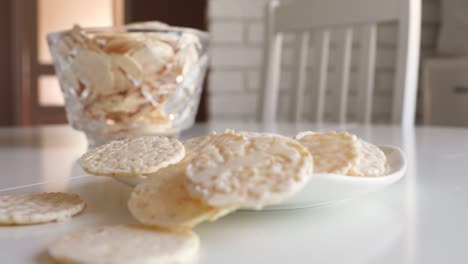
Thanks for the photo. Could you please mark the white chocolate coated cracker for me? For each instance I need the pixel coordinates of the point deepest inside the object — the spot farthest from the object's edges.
(248, 170)
(123, 244)
(333, 152)
(132, 156)
(193, 146)
(371, 162)
(163, 201)
(37, 208)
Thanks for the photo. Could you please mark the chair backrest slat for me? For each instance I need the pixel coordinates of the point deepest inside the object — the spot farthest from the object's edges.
(368, 49)
(268, 97)
(344, 46)
(321, 56)
(299, 80)
(406, 80)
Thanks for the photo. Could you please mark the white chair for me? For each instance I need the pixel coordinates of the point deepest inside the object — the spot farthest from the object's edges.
(301, 17)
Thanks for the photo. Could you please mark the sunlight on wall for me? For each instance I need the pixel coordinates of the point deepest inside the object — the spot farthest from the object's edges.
(49, 91)
(55, 15)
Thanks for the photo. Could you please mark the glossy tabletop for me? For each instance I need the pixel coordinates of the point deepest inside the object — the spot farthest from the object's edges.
(420, 219)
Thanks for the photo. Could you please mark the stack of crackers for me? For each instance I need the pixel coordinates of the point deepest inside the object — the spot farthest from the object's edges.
(203, 179)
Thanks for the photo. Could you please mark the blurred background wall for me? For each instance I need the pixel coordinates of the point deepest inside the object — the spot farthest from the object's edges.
(30, 95)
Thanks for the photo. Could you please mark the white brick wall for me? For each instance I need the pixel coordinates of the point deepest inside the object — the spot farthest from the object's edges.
(237, 31)
(227, 33)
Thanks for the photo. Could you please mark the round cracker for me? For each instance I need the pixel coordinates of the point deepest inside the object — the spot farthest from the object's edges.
(163, 201)
(333, 152)
(247, 170)
(38, 208)
(193, 146)
(371, 162)
(125, 244)
(132, 156)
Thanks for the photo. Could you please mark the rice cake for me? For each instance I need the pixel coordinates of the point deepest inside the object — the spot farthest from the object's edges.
(125, 244)
(333, 152)
(371, 162)
(163, 201)
(132, 156)
(25, 209)
(247, 170)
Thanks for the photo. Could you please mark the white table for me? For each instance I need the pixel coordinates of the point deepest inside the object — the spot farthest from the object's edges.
(421, 219)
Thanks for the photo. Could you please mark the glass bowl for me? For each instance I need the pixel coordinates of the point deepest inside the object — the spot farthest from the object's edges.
(130, 81)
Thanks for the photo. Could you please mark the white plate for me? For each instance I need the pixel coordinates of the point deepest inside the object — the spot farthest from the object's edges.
(328, 188)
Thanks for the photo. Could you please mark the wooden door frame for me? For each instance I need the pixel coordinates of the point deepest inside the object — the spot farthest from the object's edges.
(21, 63)
(26, 67)
(6, 78)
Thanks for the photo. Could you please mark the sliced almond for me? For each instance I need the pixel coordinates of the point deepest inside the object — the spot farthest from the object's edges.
(82, 40)
(129, 66)
(153, 56)
(93, 70)
(117, 43)
(148, 24)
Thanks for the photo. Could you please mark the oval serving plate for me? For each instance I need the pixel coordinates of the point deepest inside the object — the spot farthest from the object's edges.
(327, 188)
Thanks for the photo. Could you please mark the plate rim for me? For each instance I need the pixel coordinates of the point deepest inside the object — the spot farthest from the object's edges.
(129, 180)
